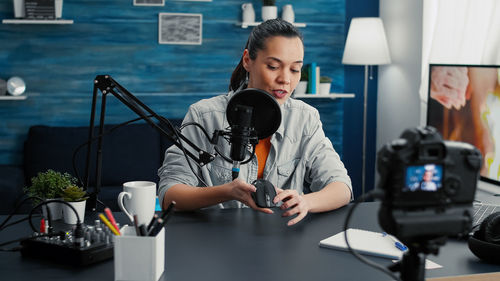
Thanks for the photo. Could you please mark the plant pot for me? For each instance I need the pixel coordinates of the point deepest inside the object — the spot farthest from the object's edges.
(301, 88)
(58, 8)
(324, 88)
(269, 12)
(55, 209)
(19, 11)
(69, 215)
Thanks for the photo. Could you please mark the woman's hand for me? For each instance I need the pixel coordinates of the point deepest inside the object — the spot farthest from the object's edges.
(242, 191)
(293, 203)
(449, 86)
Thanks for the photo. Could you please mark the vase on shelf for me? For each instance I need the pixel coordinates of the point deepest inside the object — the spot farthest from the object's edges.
(18, 9)
(269, 10)
(248, 13)
(287, 14)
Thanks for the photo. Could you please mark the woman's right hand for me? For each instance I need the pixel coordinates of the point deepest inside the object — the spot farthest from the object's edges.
(449, 86)
(242, 191)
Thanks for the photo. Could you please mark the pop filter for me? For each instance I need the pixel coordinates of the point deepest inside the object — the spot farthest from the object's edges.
(266, 115)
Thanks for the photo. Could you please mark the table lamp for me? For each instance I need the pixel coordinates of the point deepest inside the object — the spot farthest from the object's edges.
(366, 45)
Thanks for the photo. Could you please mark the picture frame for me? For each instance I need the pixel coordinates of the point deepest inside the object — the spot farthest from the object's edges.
(149, 2)
(180, 28)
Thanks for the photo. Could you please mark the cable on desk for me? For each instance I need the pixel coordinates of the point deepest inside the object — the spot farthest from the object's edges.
(370, 195)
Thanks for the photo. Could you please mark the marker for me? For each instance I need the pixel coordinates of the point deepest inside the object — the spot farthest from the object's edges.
(109, 225)
(152, 222)
(156, 228)
(168, 210)
(397, 244)
(136, 225)
(112, 219)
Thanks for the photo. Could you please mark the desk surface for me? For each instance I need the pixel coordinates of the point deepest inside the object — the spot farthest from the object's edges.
(241, 244)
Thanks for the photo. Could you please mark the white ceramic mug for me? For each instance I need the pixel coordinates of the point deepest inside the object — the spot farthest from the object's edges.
(138, 198)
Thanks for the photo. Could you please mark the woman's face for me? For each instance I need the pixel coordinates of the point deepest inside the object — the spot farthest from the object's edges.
(276, 69)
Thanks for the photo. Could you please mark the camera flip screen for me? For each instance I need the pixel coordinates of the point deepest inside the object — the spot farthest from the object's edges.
(426, 178)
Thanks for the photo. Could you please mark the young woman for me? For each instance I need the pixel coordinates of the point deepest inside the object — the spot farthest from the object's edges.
(296, 158)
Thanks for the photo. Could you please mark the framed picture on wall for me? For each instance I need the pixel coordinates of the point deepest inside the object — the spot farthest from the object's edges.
(180, 28)
(149, 2)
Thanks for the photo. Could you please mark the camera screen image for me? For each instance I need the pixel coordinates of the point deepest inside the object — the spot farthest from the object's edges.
(426, 177)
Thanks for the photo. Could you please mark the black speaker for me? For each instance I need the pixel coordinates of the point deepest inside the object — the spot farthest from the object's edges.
(485, 242)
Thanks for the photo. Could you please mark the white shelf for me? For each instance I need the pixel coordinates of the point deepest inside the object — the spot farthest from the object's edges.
(27, 21)
(22, 97)
(330, 96)
(247, 24)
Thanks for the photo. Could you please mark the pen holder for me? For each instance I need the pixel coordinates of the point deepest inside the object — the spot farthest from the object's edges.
(139, 257)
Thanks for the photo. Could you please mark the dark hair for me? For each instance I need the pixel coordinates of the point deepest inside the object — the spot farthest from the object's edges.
(256, 42)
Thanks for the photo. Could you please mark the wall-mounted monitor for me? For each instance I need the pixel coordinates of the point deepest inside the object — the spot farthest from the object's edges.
(464, 105)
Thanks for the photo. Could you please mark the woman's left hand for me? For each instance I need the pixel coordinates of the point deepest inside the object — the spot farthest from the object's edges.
(293, 203)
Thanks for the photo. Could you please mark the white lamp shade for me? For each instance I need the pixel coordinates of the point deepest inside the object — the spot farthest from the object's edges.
(366, 43)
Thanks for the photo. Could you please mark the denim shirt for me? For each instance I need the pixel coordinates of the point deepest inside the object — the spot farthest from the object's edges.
(301, 156)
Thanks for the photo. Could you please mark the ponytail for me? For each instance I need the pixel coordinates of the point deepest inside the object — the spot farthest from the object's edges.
(256, 42)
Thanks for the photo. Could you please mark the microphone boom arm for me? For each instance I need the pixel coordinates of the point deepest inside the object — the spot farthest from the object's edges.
(108, 85)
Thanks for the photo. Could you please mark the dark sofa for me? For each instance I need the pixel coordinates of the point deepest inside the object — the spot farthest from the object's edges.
(132, 152)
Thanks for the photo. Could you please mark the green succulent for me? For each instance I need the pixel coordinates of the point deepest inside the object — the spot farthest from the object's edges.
(74, 193)
(325, 79)
(269, 2)
(49, 185)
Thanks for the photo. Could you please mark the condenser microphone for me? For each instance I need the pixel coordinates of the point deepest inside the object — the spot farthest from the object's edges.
(252, 114)
(240, 136)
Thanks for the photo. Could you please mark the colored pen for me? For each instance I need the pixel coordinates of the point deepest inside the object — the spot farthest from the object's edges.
(397, 244)
(152, 222)
(136, 225)
(168, 210)
(112, 219)
(108, 224)
(143, 230)
(156, 228)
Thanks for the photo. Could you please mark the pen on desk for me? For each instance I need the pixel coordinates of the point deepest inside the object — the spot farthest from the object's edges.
(397, 244)
(108, 224)
(111, 219)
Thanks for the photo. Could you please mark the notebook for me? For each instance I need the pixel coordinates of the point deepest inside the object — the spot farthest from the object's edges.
(365, 242)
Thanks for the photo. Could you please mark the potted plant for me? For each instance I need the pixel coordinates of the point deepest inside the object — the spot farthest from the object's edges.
(50, 185)
(269, 10)
(77, 198)
(325, 83)
(302, 86)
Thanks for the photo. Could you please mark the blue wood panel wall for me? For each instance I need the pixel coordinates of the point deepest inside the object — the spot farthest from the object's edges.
(59, 62)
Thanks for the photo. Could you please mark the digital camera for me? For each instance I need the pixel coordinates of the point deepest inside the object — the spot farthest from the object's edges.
(428, 185)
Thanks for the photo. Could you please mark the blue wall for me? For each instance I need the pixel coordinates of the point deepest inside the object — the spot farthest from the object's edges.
(59, 62)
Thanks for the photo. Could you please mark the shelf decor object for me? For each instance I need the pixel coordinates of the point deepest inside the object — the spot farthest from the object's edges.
(149, 2)
(269, 10)
(366, 44)
(180, 28)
